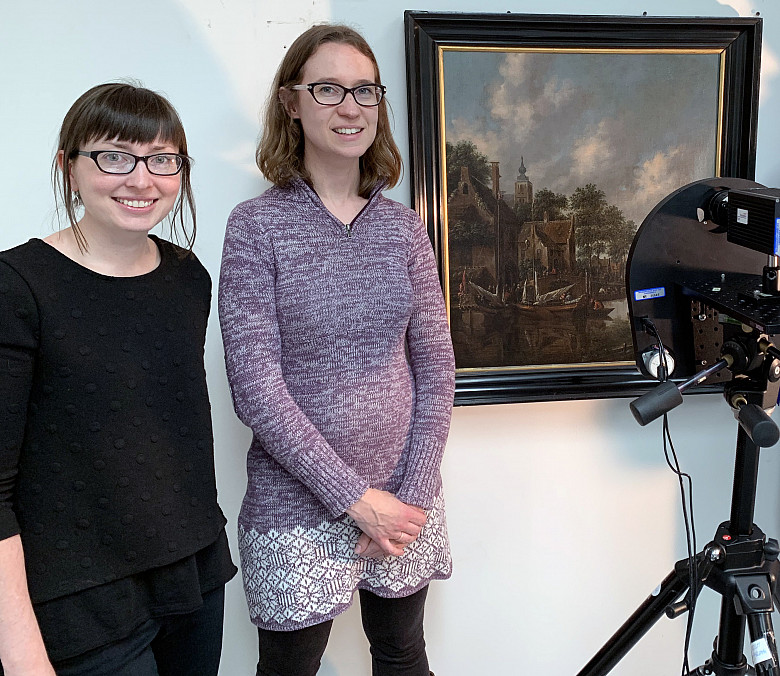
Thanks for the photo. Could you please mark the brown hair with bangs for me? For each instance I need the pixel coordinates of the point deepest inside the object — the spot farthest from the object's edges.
(123, 112)
(280, 151)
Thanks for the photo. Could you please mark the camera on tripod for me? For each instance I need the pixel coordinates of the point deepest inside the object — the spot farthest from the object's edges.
(698, 308)
(701, 314)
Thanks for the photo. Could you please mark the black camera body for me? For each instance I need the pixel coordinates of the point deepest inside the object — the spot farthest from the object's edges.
(754, 219)
(694, 273)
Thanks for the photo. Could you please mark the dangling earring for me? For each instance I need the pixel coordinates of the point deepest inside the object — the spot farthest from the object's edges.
(77, 198)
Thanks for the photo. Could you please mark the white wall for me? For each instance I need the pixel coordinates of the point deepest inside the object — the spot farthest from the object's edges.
(563, 516)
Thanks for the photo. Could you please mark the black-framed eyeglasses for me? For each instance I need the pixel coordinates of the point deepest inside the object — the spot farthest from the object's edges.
(120, 162)
(332, 94)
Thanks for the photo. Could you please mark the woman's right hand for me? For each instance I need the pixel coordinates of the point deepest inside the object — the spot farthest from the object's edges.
(369, 549)
(21, 647)
(390, 523)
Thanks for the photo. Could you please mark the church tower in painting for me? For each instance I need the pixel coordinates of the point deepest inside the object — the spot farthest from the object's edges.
(524, 189)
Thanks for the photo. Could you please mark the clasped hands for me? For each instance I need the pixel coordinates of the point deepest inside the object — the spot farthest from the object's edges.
(388, 525)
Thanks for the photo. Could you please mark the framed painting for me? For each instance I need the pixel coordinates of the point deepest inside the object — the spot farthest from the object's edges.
(539, 143)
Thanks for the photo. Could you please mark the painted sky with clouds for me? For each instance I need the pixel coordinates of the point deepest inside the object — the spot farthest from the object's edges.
(639, 126)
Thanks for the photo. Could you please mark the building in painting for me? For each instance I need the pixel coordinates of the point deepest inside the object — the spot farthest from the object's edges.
(524, 189)
(547, 245)
(478, 219)
(479, 215)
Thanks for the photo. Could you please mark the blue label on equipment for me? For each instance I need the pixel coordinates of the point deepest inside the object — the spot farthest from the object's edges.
(647, 294)
(777, 237)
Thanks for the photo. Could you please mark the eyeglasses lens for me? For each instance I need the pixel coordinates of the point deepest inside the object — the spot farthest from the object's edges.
(163, 164)
(331, 94)
(116, 163)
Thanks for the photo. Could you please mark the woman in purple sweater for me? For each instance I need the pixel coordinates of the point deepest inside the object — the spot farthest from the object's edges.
(339, 359)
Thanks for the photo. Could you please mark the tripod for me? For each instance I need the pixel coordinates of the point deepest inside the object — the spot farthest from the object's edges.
(740, 563)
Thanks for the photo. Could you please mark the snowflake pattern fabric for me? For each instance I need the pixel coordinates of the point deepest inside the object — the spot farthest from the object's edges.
(302, 577)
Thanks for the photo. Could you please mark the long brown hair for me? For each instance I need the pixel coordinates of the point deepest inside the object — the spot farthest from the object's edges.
(280, 151)
(129, 113)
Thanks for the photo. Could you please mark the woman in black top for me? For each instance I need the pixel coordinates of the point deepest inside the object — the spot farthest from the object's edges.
(111, 539)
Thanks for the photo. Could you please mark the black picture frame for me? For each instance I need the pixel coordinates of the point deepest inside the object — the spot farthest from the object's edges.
(427, 33)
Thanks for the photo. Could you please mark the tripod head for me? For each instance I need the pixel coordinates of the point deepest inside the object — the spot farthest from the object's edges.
(698, 309)
(755, 369)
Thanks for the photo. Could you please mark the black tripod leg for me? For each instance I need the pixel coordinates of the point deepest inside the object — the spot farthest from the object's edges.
(731, 635)
(635, 627)
(727, 658)
(762, 644)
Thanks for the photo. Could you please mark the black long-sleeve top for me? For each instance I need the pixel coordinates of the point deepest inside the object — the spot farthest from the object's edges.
(106, 447)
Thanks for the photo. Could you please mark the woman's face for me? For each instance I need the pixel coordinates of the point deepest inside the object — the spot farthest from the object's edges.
(340, 133)
(123, 203)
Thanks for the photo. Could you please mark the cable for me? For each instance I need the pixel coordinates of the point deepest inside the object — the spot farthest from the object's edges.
(686, 502)
(690, 534)
(663, 366)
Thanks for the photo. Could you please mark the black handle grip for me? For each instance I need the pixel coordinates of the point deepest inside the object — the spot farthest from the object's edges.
(758, 425)
(656, 402)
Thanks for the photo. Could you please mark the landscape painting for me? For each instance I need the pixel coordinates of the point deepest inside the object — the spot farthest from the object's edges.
(539, 143)
(553, 159)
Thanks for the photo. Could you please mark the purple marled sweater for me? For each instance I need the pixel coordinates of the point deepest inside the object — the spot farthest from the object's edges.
(339, 359)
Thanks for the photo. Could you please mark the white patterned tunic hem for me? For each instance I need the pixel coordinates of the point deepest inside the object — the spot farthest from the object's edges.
(306, 576)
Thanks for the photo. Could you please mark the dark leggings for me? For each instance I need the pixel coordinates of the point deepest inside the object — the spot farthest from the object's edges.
(394, 628)
(175, 645)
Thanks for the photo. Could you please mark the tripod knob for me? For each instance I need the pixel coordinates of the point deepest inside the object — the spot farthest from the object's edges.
(758, 425)
(674, 610)
(771, 549)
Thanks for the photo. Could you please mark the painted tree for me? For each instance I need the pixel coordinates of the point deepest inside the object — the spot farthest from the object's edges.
(524, 212)
(554, 204)
(467, 233)
(589, 207)
(612, 224)
(622, 238)
(466, 154)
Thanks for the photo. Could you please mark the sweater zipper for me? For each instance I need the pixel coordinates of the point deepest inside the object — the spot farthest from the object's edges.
(348, 226)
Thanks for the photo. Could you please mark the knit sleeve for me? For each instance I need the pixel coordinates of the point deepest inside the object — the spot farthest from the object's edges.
(433, 367)
(18, 342)
(250, 332)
